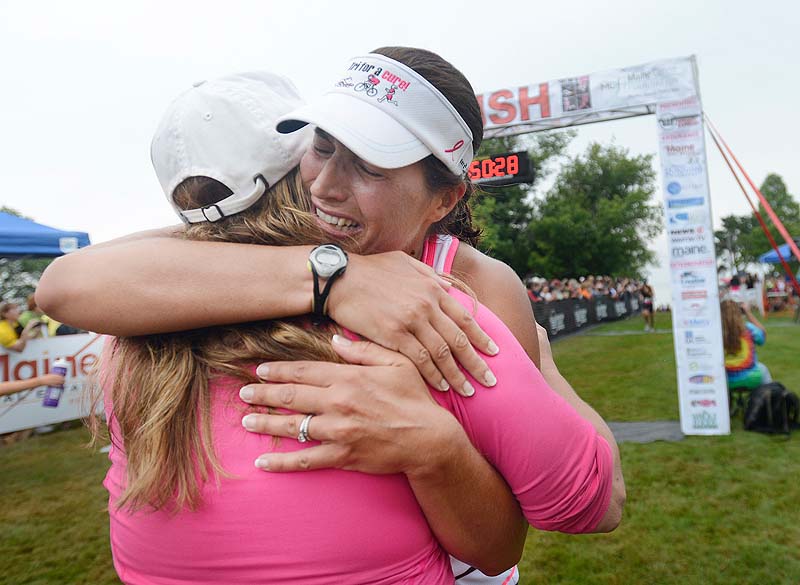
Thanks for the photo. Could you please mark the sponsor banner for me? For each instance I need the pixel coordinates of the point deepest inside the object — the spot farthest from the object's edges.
(702, 385)
(593, 97)
(569, 315)
(24, 410)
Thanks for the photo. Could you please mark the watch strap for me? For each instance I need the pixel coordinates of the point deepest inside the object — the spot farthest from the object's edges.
(319, 303)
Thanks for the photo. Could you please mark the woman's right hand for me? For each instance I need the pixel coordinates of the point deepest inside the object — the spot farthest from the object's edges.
(403, 305)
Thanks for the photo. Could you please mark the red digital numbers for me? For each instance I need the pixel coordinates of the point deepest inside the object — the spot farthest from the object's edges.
(499, 167)
(513, 164)
(474, 170)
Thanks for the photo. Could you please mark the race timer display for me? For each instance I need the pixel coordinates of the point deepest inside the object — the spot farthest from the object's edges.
(509, 168)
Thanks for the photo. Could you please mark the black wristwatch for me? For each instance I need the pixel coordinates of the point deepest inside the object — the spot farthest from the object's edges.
(329, 262)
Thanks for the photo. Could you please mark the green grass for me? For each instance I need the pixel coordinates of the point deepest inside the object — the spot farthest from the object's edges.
(704, 511)
(624, 377)
(53, 523)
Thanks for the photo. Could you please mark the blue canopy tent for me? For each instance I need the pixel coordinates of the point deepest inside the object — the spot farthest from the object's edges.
(771, 257)
(21, 237)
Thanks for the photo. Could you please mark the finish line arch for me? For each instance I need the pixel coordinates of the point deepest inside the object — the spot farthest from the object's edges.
(670, 90)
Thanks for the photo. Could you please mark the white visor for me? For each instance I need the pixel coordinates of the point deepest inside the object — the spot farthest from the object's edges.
(388, 115)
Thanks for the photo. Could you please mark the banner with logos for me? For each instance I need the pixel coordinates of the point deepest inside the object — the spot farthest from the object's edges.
(24, 410)
(607, 95)
(570, 315)
(669, 89)
(696, 322)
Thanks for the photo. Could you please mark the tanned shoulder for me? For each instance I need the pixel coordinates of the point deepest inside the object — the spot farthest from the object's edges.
(499, 288)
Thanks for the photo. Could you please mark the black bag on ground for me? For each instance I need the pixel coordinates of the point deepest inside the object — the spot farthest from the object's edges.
(772, 408)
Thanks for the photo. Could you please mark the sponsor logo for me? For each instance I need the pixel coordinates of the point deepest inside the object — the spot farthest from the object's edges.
(669, 121)
(700, 263)
(694, 309)
(694, 294)
(634, 305)
(694, 322)
(695, 366)
(690, 278)
(694, 187)
(576, 94)
(687, 202)
(682, 134)
(678, 232)
(688, 234)
(681, 232)
(693, 338)
(683, 149)
(705, 420)
(696, 352)
(581, 317)
(620, 308)
(674, 188)
(706, 402)
(701, 391)
(693, 250)
(702, 379)
(601, 311)
(556, 323)
(695, 216)
(692, 169)
(688, 102)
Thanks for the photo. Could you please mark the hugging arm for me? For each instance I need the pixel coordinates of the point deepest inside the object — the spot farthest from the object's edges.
(154, 283)
(501, 290)
(563, 471)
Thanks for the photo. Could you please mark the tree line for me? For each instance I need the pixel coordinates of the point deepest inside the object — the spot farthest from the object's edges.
(597, 217)
(740, 240)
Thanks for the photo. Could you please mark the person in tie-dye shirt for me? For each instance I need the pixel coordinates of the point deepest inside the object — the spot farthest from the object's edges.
(739, 339)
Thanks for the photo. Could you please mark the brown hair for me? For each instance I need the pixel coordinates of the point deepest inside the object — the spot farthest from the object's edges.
(5, 307)
(159, 384)
(458, 91)
(732, 326)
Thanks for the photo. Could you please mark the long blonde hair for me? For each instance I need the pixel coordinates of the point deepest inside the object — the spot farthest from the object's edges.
(732, 326)
(159, 384)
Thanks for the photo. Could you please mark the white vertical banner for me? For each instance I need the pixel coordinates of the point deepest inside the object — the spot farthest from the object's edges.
(696, 324)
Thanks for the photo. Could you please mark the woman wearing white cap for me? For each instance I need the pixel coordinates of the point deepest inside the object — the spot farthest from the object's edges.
(406, 182)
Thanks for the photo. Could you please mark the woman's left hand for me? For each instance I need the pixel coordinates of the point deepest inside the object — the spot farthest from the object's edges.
(374, 414)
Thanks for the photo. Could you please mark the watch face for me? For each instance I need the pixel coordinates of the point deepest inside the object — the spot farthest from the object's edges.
(328, 259)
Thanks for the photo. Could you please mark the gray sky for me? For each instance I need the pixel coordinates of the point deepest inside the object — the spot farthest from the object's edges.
(84, 83)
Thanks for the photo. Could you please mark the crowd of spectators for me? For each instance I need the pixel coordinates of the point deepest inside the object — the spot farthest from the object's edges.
(541, 290)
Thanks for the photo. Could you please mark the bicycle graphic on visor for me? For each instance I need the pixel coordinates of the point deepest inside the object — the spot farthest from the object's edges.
(370, 86)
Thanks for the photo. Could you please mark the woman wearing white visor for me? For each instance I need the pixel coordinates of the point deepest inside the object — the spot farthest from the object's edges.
(227, 272)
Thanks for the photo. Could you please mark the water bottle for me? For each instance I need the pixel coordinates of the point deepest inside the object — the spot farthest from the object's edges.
(53, 393)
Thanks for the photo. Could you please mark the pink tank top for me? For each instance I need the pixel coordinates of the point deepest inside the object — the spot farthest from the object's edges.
(439, 252)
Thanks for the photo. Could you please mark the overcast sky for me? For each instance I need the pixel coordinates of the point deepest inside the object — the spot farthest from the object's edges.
(84, 83)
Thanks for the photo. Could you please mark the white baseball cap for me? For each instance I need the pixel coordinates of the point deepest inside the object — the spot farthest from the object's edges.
(388, 115)
(225, 129)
